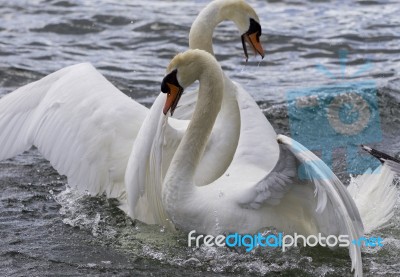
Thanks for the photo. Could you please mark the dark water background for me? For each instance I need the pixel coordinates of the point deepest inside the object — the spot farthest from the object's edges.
(47, 230)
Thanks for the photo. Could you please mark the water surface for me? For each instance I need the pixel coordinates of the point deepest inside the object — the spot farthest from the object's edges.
(47, 229)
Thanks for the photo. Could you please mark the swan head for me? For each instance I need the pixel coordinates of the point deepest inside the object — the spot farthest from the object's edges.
(238, 11)
(183, 70)
(252, 37)
(248, 23)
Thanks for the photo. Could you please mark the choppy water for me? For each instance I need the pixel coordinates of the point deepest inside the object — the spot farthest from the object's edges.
(48, 230)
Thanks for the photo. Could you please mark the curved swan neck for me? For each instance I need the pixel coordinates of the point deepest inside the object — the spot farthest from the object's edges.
(203, 119)
(201, 32)
(180, 175)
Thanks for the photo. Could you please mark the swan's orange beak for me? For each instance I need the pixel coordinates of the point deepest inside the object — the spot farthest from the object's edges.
(252, 37)
(173, 89)
(172, 98)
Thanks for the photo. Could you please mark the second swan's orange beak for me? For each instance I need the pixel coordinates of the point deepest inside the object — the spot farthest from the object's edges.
(173, 89)
(252, 36)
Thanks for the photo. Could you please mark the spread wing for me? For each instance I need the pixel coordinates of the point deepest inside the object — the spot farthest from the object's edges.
(276, 184)
(297, 166)
(78, 121)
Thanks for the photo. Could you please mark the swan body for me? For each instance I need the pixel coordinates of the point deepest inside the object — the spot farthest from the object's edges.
(249, 197)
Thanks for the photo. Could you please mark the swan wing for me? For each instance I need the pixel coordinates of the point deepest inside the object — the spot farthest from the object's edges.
(255, 130)
(375, 195)
(333, 198)
(78, 121)
(271, 189)
(335, 209)
(151, 155)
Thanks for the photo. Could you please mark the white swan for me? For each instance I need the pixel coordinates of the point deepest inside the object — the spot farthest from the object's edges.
(248, 197)
(240, 125)
(239, 116)
(92, 144)
(84, 125)
(237, 104)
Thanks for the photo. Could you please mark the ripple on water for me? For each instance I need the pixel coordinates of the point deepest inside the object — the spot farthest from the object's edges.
(47, 229)
(73, 27)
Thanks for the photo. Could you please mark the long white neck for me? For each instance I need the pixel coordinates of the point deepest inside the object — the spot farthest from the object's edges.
(201, 32)
(178, 182)
(200, 37)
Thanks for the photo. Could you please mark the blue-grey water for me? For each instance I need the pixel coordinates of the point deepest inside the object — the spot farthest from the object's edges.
(48, 230)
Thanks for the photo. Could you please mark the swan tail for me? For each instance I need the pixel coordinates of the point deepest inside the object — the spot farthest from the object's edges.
(330, 192)
(374, 192)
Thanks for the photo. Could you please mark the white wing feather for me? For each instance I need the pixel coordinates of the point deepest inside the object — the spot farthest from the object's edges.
(144, 174)
(79, 121)
(275, 185)
(395, 167)
(333, 199)
(335, 211)
(375, 195)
